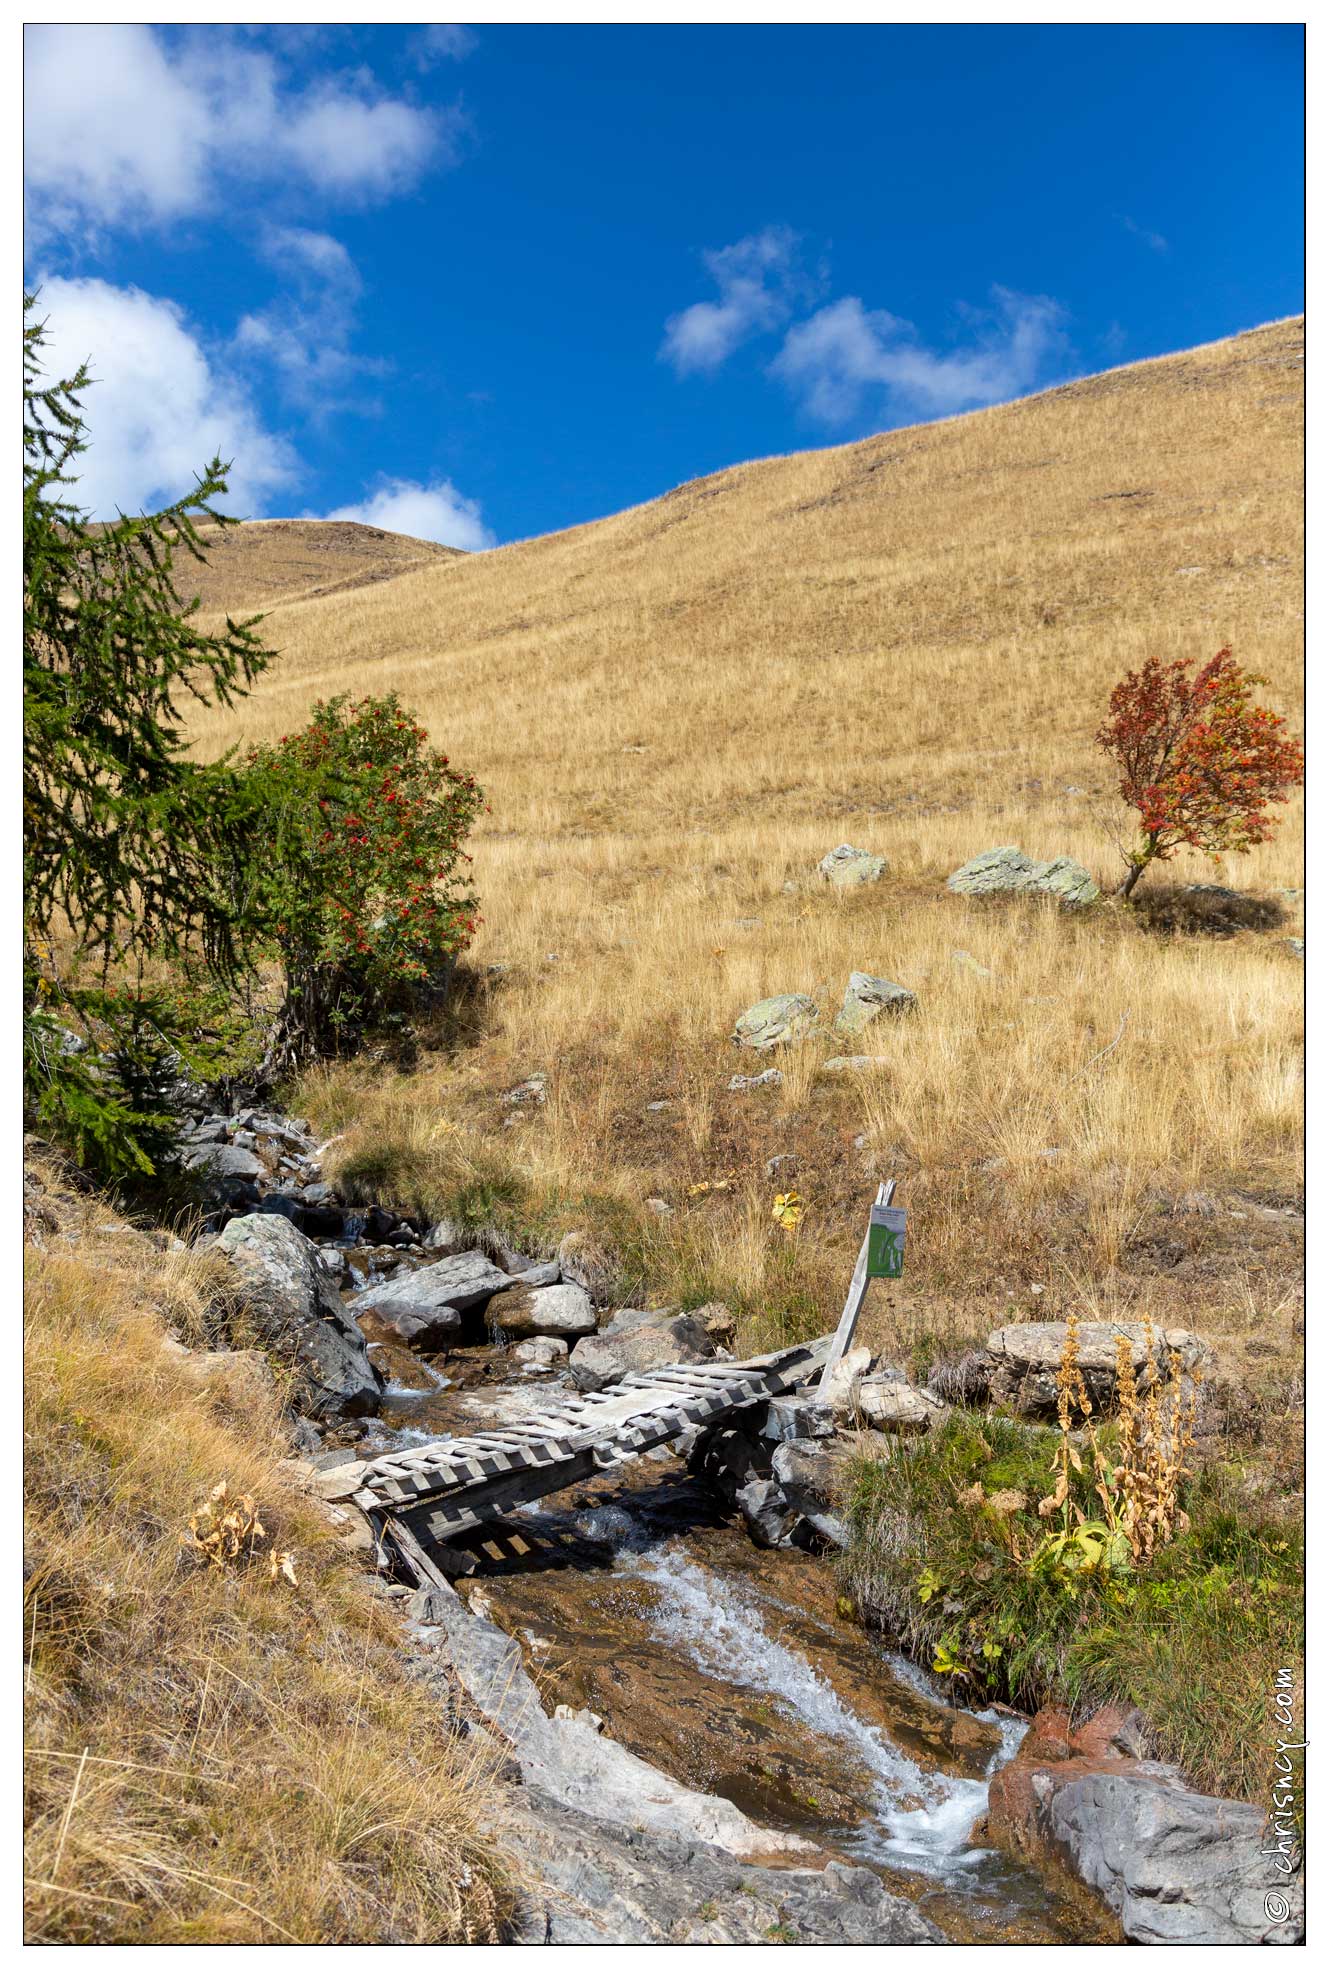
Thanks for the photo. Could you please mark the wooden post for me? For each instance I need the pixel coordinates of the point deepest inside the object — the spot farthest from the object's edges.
(853, 1305)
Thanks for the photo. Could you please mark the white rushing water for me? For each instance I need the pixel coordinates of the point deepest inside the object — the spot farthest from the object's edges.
(922, 1819)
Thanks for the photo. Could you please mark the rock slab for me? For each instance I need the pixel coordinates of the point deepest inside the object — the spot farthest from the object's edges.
(563, 1310)
(1009, 871)
(866, 998)
(634, 1341)
(1020, 1361)
(1173, 1865)
(850, 868)
(589, 1883)
(298, 1316)
(426, 1307)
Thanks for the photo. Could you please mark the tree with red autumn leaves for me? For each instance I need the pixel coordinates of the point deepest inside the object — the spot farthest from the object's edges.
(1200, 761)
(363, 889)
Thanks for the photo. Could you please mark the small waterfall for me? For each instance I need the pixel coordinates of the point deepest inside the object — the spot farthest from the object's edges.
(724, 1634)
(923, 1819)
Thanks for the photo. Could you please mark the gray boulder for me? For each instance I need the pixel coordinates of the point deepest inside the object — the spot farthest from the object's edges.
(888, 1402)
(839, 1393)
(427, 1307)
(767, 1517)
(447, 1236)
(565, 1310)
(528, 1275)
(1009, 871)
(776, 1021)
(1173, 1865)
(1021, 1361)
(635, 1341)
(866, 998)
(812, 1477)
(849, 868)
(544, 1351)
(296, 1313)
(227, 1177)
(795, 1418)
(853, 1063)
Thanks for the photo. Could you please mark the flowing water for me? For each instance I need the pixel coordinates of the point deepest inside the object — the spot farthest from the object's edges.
(732, 1669)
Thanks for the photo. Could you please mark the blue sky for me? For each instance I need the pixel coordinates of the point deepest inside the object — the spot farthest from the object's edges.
(483, 283)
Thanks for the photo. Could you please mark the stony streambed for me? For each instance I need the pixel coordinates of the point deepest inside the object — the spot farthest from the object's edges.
(729, 1668)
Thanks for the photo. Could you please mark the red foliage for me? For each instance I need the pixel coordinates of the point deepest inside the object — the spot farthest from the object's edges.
(1200, 761)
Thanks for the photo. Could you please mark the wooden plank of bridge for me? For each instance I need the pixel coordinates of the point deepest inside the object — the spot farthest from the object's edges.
(451, 1486)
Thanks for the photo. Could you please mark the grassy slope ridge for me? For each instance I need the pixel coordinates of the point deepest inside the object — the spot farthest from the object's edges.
(267, 563)
(210, 1756)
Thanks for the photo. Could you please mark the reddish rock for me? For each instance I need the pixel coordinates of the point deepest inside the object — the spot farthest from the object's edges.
(1171, 1865)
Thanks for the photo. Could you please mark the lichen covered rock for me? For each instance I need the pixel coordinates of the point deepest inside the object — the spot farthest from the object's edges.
(1009, 871)
(776, 1021)
(866, 998)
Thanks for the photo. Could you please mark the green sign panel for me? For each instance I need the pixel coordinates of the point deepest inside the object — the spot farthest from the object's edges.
(885, 1242)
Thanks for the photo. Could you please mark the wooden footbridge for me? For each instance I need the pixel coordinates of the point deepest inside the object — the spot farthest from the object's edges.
(423, 1498)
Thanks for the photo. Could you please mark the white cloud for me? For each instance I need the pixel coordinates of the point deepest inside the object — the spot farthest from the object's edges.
(443, 44)
(426, 512)
(757, 277)
(1154, 240)
(123, 129)
(161, 410)
(846, 360)
(305, 334)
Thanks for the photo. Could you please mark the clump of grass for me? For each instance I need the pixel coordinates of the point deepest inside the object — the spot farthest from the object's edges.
(949, 1554)
(214, 1753)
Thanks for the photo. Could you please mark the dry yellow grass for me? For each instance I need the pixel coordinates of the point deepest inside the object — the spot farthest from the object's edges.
(211, 1756)
(906, 643)
(269, 562)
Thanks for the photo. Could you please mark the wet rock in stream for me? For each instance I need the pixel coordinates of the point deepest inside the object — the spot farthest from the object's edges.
(427, 1307)
(1172, 1865)
(593, 1882)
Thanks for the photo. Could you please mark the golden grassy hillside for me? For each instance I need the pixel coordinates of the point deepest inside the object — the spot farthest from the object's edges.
(905, 643)
(212, 1754)
(264, 563)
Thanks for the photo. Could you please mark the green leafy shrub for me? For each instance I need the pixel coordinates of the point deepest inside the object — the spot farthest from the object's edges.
(362, 887)
(949, 1554)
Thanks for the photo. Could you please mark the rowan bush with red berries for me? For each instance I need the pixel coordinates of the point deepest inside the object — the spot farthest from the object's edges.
(1200, 761)
(364, 890)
